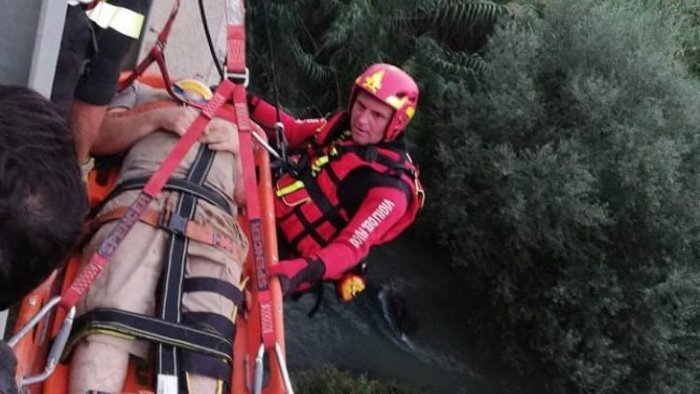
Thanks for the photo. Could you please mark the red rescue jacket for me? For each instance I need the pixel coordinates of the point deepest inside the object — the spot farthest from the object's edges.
(345, 198)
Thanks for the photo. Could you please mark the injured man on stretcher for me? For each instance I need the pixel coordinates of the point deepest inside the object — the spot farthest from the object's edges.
(176, 275)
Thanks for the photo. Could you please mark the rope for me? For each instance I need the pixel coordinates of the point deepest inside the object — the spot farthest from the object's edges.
(207, 34)
(279, 127)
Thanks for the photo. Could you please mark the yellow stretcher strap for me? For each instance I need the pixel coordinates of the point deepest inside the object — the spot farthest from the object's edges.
(123, 20)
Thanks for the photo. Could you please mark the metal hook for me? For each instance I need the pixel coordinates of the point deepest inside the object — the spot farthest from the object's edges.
(59, 343)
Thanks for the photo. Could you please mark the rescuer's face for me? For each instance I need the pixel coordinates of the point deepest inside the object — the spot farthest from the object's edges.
(369, 118)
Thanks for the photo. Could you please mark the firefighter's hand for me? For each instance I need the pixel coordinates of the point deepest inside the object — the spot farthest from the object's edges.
(297, 274)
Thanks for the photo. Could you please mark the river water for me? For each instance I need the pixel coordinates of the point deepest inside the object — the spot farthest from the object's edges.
(361, 336)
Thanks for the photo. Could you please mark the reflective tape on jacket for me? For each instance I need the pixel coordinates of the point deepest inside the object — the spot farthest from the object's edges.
(121, 19)
(76, 2)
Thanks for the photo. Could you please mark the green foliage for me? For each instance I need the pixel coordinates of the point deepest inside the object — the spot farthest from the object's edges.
(329, 380)
(568, 186)
(445, 62)
(687, 13)
(320, 47)
(560, 164)
(456, 15)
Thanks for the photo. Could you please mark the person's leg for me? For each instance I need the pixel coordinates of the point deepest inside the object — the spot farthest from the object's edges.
(208, 302)
(127, 283)
(105, 364)
(203, 384)
(205, 261)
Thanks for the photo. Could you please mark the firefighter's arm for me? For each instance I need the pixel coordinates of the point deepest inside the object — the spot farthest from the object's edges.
(123, 128)
(98, 83)
(382, 208)
(118, 27)
(296, 130)
(85, 122)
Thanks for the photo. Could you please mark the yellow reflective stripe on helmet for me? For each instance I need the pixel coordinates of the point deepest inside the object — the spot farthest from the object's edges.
(395, 102)
(123, 20)
(291, 188)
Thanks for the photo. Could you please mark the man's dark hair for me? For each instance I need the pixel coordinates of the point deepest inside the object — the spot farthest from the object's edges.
(42, 198)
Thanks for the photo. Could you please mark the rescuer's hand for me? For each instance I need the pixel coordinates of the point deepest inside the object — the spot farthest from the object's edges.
(297, 274)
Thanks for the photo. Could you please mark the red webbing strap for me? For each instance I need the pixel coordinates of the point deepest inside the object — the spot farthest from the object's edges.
(235, 58)
(259, 273)
(155, 184)
(236, 69)
(155, 55)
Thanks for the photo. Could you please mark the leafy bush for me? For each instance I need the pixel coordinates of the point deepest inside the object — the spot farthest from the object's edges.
(568, 191)
(329, 380)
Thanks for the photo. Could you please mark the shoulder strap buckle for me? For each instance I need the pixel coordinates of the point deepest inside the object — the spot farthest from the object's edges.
(371, 153)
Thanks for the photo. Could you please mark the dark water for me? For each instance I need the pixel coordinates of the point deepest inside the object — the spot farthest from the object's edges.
(361, 336)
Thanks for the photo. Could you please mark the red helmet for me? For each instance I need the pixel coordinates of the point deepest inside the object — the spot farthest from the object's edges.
(394, 87)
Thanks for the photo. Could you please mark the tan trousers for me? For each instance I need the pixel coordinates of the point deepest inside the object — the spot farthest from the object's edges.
(129, 283)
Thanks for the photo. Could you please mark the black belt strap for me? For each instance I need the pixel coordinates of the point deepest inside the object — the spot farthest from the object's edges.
(213, 285)
(169, 358)
(153, 329)
(321, 201)
(212, 322)
(371, 154)
(179, 185)
(329, 212)
(202, 364)
(309, 229)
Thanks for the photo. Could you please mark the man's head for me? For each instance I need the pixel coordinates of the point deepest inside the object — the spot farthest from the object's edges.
(42, 198)
(381, 91)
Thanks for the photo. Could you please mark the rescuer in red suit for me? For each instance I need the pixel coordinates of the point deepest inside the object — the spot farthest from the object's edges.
(351, 184)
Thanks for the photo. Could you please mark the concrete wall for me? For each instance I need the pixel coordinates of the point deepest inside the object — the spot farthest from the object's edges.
(187, 53)
(30, 35)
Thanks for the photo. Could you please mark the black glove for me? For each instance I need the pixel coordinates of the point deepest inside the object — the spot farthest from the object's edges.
(297, 274)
